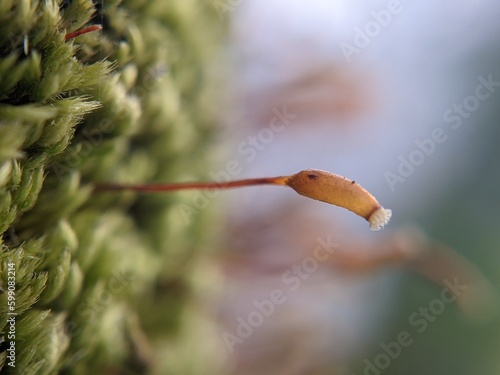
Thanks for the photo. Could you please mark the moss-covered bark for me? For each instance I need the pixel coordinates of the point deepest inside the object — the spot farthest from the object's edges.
(98, 276)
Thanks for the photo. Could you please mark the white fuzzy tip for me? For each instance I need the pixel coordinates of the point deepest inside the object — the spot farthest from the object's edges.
(379, 218)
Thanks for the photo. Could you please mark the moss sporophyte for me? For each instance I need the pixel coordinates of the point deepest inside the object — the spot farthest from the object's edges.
(312, 183)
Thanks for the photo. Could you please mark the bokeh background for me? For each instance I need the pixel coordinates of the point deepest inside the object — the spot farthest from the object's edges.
(358, 106)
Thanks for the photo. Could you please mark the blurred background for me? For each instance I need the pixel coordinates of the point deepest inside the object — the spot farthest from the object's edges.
(402, 97)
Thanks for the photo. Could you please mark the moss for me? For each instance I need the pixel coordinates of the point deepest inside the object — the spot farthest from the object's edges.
(100, 276)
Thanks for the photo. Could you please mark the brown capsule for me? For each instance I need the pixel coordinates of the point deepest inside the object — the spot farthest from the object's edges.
(340, 191)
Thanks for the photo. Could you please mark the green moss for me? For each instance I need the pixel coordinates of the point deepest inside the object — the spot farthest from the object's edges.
(95, 272)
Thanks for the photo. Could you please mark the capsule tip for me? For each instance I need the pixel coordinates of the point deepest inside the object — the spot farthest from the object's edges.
(379, 218)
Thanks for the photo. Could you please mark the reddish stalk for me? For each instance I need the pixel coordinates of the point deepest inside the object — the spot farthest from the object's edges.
(86, 30)
(194, 185)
